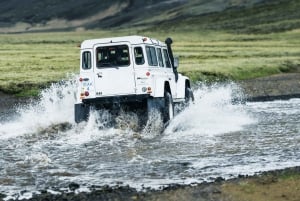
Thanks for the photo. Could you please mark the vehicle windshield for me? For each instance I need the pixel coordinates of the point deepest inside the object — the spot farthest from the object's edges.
(112, 56)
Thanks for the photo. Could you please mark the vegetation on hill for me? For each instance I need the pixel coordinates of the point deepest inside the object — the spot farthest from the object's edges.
(239, 16)
(263, 17)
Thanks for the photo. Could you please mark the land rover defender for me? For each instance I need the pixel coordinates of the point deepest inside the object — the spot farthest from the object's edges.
(133, 72)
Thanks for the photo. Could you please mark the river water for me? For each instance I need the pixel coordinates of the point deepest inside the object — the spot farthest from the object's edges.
(42, 148)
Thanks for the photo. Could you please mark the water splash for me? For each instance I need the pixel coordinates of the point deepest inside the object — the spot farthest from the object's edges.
(212, 113)
(54, 106)
(210, 138)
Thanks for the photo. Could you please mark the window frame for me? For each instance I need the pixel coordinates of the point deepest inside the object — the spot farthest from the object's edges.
(143, 56)
(83, 58)
(160, 57)
(167, 58)
(151, 54)
(109, 63)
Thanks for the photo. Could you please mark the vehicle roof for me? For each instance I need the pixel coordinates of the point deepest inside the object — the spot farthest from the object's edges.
(134, 40)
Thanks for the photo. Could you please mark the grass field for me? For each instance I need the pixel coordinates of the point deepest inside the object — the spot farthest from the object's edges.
(272, 186)
(32, 61)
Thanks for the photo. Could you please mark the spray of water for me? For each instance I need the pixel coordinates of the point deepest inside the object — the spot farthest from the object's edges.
(43, 147)
(212, 113)
(54, 106)
(47, 124)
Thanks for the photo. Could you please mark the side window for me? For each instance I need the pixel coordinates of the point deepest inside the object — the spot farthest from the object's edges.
(86, 60)
(160, 59)
(139, 56)
(167, 60)
(151, 56)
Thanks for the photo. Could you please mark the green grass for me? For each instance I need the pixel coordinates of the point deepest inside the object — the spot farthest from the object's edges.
(32, 61)
(268, 187)
(237, 56)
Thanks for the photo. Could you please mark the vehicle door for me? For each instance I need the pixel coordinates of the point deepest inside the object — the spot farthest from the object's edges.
(155, 63)
(114, 73)
(86, 83)
(169, 72)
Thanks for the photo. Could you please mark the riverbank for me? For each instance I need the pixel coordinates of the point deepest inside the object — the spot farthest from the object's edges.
(280, 86)
(275, 185)
(274, 87)
(9, 103)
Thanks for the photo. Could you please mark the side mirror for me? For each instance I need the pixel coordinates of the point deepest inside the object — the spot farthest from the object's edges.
(176, 62)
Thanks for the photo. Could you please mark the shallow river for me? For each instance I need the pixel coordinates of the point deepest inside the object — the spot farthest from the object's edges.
(42, 148)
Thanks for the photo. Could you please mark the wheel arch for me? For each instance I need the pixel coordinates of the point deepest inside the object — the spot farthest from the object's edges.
(167, 87)
(182, 83)
(187, 83)
(161, 86)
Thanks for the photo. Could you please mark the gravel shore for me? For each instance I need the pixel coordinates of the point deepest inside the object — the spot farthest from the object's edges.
(281, 86)
(273, 185)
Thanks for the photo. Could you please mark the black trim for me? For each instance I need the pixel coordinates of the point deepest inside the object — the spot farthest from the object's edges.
(169, 42)
(116, 99)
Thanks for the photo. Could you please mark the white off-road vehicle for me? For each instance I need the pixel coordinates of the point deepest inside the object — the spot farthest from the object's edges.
(133, 72)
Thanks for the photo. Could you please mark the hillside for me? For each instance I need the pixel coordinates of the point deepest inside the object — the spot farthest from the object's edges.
(263, 17)
(238, 15)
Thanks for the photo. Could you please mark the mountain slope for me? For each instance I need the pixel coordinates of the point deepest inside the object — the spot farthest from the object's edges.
(232, 15)
(263, 17)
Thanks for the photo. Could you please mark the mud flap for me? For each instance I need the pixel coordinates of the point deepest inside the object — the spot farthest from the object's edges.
(155, 105)
(82, 112)
(155, 115)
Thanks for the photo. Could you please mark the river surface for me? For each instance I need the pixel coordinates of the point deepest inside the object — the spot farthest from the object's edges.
(42, 148)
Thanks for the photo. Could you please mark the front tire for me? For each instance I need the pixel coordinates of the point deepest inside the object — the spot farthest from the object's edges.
(168, 110)
(189, 96)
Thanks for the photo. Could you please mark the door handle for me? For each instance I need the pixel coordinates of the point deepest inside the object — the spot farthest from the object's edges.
(99, 75)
